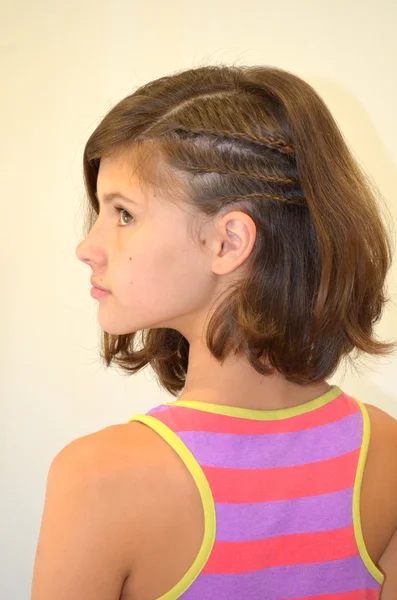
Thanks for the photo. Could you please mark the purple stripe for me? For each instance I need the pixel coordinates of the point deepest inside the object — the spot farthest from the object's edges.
(268, 450)
(252, 521)
(157, 409)
(296, 581)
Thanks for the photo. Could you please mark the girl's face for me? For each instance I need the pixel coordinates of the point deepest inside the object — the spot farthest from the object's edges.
(142, 252)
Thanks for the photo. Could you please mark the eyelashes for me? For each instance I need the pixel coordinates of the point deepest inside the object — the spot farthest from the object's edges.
(119, 210)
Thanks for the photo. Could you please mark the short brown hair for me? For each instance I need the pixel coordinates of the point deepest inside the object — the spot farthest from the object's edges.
(259, 139)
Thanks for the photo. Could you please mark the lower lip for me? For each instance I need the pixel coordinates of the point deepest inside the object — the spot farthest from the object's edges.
(97, 293)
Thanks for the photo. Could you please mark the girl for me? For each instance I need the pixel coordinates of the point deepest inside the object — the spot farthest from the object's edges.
(229, 224)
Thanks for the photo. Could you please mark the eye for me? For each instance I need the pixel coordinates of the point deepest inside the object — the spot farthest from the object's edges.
(120, 210)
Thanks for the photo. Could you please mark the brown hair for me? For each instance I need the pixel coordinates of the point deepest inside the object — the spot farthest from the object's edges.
(261, 140)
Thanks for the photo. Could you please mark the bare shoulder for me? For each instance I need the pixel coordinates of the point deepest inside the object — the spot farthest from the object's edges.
(114, 484)
(384, 435)
(381, 471)
(378, 413)
(382, 474)
(136, 462)
(382, 452)
(124, 451)
(153, 493)
(140, 474)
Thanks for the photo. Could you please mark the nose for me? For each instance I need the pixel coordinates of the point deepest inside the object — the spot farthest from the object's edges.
(92, 250)
(81, 250)
(89, 252)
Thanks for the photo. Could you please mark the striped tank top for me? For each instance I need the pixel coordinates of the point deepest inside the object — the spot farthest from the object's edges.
(281, 497)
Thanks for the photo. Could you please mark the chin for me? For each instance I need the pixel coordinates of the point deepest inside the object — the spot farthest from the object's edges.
(116, 329)
(122, 329)
(120, 326)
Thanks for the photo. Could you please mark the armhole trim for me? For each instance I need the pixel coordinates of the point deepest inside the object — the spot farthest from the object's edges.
(358, 532)
(206, 498)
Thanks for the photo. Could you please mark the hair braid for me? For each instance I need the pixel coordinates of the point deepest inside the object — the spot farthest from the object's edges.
(300, 201)
(254, 175)
(273, 143)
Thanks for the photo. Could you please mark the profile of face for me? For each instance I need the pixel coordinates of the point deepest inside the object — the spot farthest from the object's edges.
(142, 251)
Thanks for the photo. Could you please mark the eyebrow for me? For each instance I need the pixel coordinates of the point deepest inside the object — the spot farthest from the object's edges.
(107, 198)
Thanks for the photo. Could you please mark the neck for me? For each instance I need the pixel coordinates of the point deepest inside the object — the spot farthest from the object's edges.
(237, 383)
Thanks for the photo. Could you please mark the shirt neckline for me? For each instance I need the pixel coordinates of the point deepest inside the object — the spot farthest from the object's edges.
(261, 415)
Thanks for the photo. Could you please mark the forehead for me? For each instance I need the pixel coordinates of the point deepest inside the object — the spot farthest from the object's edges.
(120, 174)
(144, 175)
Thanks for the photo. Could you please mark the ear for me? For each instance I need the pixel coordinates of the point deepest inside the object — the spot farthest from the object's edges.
(233, 241)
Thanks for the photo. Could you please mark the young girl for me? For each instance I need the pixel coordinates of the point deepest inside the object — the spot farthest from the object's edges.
(230, 224)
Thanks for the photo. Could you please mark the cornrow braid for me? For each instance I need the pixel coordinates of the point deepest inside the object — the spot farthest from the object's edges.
(254, 175)
(300, 201)
(274, 143)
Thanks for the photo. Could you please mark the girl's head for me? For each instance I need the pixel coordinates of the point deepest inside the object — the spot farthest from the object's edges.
(142, 249)
(250, 224)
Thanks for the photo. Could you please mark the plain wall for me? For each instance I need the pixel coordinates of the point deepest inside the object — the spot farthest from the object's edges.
(63, 65)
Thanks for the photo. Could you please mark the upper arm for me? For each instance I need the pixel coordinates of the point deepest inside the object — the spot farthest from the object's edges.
(81, 548)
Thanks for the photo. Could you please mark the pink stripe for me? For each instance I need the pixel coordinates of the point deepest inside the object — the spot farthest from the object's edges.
(283, 483)
(180, 418)
(356, 595)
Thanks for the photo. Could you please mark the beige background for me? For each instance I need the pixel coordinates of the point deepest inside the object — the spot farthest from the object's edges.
(63, 65)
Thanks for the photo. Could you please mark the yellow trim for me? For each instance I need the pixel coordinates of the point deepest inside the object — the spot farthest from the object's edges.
(206, 497)
(358, 532)
(260, 415)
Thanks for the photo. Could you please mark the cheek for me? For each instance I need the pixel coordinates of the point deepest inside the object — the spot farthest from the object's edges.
(173, 274)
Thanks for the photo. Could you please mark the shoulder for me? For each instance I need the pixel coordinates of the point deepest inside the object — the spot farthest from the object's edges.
(383, 431)
(115, 476)
(382, 475)
(102, 473)
(383, 438)
(129, 459)
(382, 455)
(102, 490)
(117, 452)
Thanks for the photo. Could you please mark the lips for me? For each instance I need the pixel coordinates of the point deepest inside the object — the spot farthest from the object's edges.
(98, 286)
